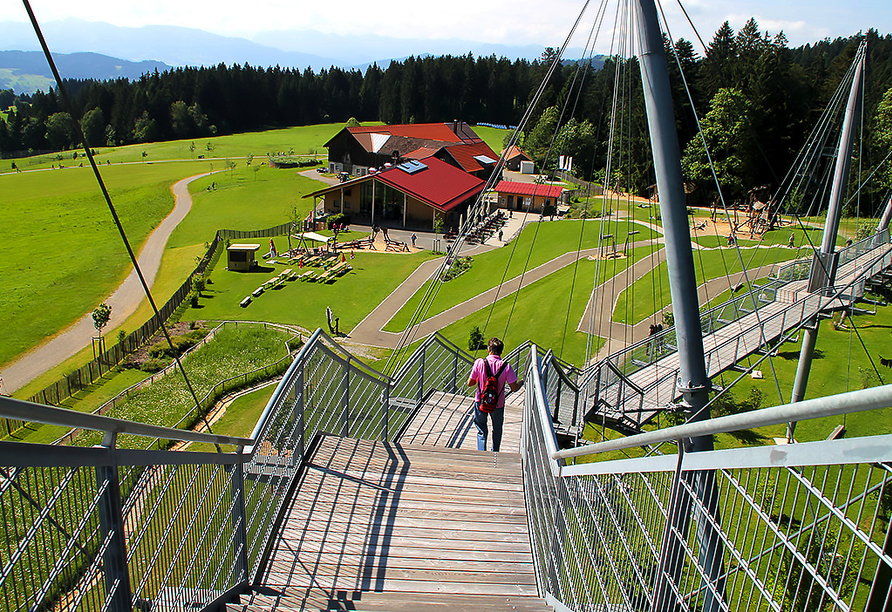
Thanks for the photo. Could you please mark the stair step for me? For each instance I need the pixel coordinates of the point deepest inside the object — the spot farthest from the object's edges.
(292, 599)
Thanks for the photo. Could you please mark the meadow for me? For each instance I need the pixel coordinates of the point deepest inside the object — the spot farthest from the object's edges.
(536, 245)
(61, 240)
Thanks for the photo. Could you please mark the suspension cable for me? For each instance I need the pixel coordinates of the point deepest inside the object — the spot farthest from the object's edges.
(111, 207)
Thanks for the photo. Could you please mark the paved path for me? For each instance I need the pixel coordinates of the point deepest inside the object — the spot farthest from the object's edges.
(124, 301)
(369, 330)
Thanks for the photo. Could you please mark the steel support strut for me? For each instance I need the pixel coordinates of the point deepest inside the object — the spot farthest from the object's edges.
(694, 384)
(823, 269)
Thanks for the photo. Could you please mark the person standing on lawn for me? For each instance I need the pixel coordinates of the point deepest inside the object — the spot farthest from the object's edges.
(491, 366)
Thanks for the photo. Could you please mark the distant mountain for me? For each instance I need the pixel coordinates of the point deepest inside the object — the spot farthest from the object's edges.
(179, 46)
(28, 71)
(361, 51)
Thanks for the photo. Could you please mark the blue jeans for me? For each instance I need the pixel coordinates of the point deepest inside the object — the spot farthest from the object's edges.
(498, 418)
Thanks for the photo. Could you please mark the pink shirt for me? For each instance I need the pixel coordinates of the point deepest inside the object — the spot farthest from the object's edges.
(479, 375)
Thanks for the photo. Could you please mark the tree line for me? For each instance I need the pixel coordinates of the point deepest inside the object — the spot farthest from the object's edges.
(769, 93)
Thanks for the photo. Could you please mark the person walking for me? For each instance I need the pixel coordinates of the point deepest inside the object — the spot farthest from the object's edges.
(414, 238)
(485, 369)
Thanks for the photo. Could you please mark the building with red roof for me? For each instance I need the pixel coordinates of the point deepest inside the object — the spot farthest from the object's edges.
(356, 150)
(410, 194)
(527, 197)
(513, 156)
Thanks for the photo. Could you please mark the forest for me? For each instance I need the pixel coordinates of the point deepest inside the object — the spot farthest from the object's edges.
(771, 94)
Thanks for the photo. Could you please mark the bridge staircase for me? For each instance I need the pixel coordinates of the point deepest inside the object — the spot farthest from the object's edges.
(426, 522)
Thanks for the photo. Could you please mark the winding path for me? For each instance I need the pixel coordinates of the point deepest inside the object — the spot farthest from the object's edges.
(124, 301)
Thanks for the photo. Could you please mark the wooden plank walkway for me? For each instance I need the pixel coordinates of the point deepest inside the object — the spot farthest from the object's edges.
(423, 523)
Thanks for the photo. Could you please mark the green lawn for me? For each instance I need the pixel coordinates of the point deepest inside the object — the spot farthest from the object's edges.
(651, 292)
(305, 141)
(64, 232)
(493, 137)
(303, 303)
(58, 234)
(544, 313)
(537, 244)
(240, 417)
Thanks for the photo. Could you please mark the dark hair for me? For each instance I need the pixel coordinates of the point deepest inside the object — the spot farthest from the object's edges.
(495, 346)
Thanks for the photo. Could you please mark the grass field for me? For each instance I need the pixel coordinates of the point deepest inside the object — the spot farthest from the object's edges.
(59, 239)
(537, 244)
(64, 232)
(492, 136)
(650, 293)
(305, 141)
(302, 303)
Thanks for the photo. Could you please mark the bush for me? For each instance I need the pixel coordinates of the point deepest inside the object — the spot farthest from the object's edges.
(153, 365)
(475, 339)
(193, 298)
(337, 219)
(459, 266)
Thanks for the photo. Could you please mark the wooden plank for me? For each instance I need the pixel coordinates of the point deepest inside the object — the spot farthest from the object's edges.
(285, 553)
(482, 513)
(332, 563)
(292, 598)
(432, 584)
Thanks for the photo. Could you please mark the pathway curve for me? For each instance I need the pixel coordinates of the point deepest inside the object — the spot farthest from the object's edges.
(369, 330)
(124, 301)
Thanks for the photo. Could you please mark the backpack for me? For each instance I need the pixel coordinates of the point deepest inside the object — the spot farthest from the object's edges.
(489, 390)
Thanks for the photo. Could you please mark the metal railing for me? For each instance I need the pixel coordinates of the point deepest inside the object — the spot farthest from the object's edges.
(117, 529)
(628, 401)
(796, 527)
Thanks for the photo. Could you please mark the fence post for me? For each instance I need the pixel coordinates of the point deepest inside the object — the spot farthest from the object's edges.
(299, 406)
(111, 528)
(557, 402)
(386, 411)
(345, 399)
(239, 522)
(420, 394)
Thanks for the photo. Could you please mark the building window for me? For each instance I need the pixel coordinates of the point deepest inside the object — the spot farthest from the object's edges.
(348, 192)
(346, 205)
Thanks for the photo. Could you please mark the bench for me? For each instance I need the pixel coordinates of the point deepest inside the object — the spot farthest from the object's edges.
(258, 291)
(244, 303)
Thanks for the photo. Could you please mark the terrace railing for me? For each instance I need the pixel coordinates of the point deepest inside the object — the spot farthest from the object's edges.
(619, 526)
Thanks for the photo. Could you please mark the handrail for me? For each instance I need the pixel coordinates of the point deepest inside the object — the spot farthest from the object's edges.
(538, 390)
(833, 405)
(50, 415)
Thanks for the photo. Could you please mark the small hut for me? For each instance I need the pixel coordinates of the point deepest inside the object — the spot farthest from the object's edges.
(242, 257)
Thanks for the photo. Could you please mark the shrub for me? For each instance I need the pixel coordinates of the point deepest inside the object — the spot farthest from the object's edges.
(193, 298)
(153, 365)
(337, 219)
(459, 266)
(475, 339)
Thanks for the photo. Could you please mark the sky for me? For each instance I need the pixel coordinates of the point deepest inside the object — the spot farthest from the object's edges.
(514, 22)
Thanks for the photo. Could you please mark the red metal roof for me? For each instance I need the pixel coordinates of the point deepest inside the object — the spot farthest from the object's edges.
(514, 151)
(440, 184)
(464, 155)
(529, 189)
(442, 132)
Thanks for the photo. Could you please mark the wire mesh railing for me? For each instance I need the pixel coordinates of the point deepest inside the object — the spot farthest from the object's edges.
(631, 385)
(799, 527)
(118, 529)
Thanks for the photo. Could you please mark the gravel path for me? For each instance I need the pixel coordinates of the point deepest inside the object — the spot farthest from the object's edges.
(124, 301)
